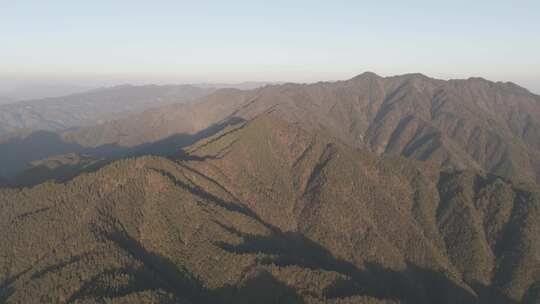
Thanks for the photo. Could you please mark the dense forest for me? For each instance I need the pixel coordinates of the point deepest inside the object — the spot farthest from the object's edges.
(267, 211)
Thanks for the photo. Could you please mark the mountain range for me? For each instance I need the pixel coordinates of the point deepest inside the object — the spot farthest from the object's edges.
(474, 123)
(92, 107)
(30, 91)
(402, 189)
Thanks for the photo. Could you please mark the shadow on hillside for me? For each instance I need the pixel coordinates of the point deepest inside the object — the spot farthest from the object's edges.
(532, 296)
(172, 282)
(414, 285)
(209, 197)
(6, 288)
(18, 153)
(493, 295)
(6, 292)
(451, 186)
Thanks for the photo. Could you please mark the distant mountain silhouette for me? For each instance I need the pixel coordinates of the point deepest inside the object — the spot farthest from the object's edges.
(247, 85)
(40, 91)
(92, 107)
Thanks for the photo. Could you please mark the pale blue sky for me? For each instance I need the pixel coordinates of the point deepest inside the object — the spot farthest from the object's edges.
(229, 41)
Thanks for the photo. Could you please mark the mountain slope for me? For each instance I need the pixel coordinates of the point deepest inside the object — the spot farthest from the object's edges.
(163, 128)
(267, 212)
(461, 124)
(92, 107)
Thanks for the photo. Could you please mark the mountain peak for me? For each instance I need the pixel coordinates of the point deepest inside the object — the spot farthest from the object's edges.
(416, 75)
(366, 75)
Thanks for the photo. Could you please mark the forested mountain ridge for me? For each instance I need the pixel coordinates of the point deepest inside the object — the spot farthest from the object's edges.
(266, 211)
(460, 124)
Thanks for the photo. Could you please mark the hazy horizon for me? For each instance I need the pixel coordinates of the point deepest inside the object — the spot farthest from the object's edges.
(101, 43)
(17, 85)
